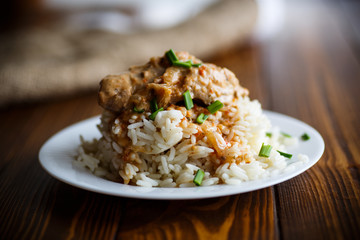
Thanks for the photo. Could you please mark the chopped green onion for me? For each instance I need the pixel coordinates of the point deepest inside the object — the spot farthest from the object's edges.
(305, 137)
(287, 155)
(265, 150)
(171, 56)
(153, 105)
(153, 115)
(201, 118)
(196, 64)
(188, 100)
(215, 106)
(269, 134)
(186, 64)
(286, 135)
(198, 177)
(138, 110)
(175, 61)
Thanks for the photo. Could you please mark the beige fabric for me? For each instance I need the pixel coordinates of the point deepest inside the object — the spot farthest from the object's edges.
(44, 63)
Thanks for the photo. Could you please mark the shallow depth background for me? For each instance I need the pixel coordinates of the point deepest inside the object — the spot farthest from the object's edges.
(299, 58)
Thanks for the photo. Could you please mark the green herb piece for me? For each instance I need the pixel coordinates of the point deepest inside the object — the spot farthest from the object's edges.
(153, 115)
(215, 106)
(175, 61)
(138, 110)
(196, 64)
(188, 100)
(305, 137)
(265, 150)
(269, 134)
(153, 105)
(171, 56)
(286, 135)
(186, 64)
(287, 155)
(201, 118)
(198, 177)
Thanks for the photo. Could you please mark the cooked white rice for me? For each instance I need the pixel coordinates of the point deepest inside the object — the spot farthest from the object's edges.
(170, 149)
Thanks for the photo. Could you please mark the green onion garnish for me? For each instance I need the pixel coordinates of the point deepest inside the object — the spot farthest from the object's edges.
(188, 100)
(215, 106)
(265, 150)
(286, 135)
(287, 155)
(305, 137)
(138, 110)
(198, 177)
(175, 61)
(201, 118)
(196, 64)
(186, 64)
(153, 115)
(269, 134)
(153, 105)
(171, 56)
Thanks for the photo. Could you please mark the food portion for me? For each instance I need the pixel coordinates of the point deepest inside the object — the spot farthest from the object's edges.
(179, 122)
(161, 80)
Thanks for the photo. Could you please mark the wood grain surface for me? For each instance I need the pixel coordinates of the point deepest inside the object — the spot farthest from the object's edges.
(309, 70)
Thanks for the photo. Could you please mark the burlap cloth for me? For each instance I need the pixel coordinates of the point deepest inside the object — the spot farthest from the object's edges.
(49, 62)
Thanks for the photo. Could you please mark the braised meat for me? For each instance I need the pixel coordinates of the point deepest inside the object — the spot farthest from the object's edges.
(159, 79)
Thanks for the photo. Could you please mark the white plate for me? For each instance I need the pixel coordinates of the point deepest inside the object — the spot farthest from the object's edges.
(57, 154)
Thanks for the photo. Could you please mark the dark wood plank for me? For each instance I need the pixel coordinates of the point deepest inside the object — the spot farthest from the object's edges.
(244, 216)
(26, 191)
(313, 68)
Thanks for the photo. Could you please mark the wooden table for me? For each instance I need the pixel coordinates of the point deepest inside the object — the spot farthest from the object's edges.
(310, 70)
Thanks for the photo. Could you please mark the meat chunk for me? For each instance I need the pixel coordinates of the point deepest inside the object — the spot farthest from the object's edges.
(158, 79)
(115, 91)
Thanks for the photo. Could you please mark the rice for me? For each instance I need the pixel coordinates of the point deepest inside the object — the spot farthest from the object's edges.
(167, 151)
